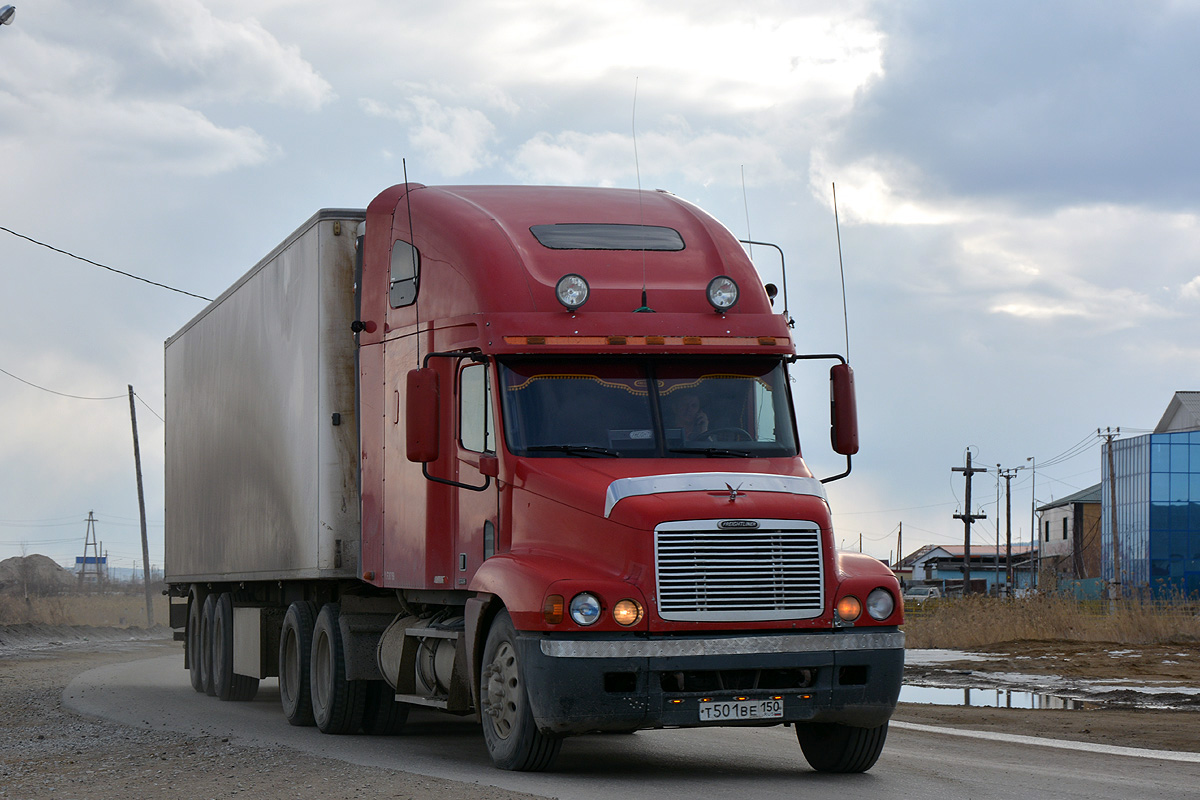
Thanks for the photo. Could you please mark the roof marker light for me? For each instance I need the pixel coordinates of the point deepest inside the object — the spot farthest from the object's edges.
(722, 293)
(572, 291)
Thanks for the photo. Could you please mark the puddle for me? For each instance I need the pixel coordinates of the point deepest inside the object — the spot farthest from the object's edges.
(987, 698)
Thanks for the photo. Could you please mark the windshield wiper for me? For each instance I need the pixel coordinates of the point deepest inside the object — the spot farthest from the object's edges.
(710, 451)
(584, 449)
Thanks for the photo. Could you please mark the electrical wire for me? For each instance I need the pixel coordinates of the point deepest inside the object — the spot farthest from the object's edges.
(102, 266)
(60, 394)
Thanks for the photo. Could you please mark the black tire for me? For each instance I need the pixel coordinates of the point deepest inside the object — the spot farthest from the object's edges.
(829, 747)
(509, 729)
(206, 644)
(192, 641)
(382, 715)
(337, 703)
(227, 685)
(295, 662)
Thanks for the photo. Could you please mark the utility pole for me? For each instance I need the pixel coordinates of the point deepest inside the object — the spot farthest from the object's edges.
(137, 464)
(1108, 435)
(1037, 574)
(967, 519)
(1008, 475)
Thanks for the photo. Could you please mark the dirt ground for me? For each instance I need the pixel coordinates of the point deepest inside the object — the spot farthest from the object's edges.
(47, 752)
(1146, 696)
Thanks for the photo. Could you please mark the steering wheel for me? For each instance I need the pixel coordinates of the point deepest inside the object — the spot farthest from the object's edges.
(725, 435)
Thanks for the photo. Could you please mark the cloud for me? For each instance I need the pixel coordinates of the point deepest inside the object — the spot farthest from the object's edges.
(1050, 104)
(454, 140)
(1191, 289)
(663, 156)
(216, 59)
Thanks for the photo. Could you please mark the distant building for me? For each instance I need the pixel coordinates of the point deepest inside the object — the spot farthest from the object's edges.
(942, 565)
(1157, 505)
(1070, 538)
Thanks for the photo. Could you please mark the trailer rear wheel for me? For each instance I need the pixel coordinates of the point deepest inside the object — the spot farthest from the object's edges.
(227, 684)
(295, 660)
(194, 648)
(829, 747)
(382, 715)
(206, 644)
(509, 729)
(337, 703)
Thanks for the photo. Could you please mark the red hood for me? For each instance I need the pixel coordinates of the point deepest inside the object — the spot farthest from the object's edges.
(640, 493)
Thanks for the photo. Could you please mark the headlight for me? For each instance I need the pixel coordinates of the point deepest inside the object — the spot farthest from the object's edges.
(722, 292)
(585, 608)
(849, 608)
(880, 604)
(627, 613)
(571, 290)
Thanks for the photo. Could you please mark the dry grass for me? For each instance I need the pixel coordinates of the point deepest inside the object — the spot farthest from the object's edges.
(99, 610)
(979, 621)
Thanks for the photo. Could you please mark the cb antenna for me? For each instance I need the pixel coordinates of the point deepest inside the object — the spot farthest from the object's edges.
(641, 217)
(412, 244)
(842, 268)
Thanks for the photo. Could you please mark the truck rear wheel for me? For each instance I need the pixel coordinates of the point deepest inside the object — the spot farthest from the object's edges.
(382, 715)
(829, 747)
(194, 648)
(295, 660)
(509, 729)
(206, 644)
(227, 684)
(337, 703)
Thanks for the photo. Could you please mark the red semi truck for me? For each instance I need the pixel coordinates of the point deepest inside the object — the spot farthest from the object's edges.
(522, 453)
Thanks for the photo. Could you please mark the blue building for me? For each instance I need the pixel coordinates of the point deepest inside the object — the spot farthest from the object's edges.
(1158, 505)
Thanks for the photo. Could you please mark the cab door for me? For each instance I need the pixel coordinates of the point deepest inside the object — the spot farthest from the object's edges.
(475, 539)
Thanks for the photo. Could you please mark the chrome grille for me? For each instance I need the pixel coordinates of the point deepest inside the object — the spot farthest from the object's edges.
(708, 574)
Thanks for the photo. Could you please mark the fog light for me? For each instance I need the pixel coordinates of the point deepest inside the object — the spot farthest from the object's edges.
(585, 608)
(722, 292)
(627, 613)
(849, 608)
(571, 290)
(880, 604)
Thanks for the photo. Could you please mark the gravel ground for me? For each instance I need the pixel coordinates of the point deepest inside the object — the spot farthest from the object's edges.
(46, 752)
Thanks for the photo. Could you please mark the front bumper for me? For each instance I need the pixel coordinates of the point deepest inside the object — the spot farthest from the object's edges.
(613, 682)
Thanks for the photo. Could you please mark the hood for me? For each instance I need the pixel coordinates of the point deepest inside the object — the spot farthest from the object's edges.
(641, 493)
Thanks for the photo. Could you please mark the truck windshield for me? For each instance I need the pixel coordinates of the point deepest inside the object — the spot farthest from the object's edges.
(640, 408)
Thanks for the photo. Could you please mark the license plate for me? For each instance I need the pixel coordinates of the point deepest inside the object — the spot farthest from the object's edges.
(725, 710)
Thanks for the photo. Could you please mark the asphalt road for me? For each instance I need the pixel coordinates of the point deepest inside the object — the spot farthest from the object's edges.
(740, 764)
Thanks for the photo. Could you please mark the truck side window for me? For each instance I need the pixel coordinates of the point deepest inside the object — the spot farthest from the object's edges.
(405, 274)
(477, 430)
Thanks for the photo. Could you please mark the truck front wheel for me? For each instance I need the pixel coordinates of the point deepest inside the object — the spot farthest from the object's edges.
(337, 703)
(509, 730)
(295, 657)
(829, 747)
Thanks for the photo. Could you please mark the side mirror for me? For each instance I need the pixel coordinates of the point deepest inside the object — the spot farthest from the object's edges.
(422, 420)
(843, 410)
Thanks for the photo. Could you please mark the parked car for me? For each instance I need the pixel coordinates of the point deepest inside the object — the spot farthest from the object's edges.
(919, 594)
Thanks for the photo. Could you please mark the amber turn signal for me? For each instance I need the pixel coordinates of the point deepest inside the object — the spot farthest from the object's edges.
(553, 609)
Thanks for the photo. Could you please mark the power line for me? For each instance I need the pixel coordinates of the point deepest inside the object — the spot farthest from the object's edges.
(81, 397)
(60, 394)
(103, 266)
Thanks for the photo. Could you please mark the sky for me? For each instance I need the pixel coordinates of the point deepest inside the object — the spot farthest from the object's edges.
(1016, 188)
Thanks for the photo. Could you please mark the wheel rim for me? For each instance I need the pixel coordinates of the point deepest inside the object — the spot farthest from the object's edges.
(503, 690)
(321, 678)
(291, 666)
